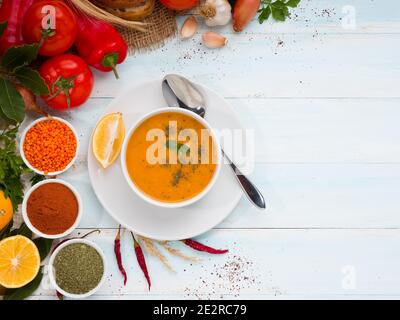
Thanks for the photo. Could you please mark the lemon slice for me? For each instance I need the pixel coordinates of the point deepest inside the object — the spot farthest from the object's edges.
(19, 261)
(107, 138)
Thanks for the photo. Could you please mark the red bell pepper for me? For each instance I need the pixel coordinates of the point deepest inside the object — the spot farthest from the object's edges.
(12, 12)
(100, 44)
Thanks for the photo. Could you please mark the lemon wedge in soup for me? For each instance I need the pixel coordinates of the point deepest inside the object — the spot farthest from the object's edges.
(107, 138)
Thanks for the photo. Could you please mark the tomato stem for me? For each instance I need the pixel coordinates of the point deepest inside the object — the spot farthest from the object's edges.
(63, 85)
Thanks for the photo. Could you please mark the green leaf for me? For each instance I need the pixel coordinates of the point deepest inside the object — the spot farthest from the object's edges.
(4, 117)
(11, 103)
(293, 3)
(36, 178)
(279, 4)
(31, 79)
(25, 291)
(23, 230)
(6, 230)
(3, 27)
(44, 246)
(20, 56)
(264, 14)
(278, 14)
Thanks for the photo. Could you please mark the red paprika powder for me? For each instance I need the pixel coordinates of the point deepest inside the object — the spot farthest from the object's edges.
(52, 208)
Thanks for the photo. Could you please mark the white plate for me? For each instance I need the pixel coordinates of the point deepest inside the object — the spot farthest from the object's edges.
(145, 219)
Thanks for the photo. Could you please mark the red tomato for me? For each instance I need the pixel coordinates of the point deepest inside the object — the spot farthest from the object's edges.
(57, 40)
(180, 4)
(70, 81)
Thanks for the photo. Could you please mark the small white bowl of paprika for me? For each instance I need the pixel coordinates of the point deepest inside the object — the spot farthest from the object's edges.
(52, 209)
(49, 146)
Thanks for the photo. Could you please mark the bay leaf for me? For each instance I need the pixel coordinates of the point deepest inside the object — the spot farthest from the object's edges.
(31, 79)
(23, 230)
(44, 247)
(20, 56)
(11, 103)
(25, 291)
(6, 230)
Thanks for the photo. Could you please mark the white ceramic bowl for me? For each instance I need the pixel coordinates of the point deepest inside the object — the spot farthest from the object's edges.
(36, 231)
(21, 146)
(143, 195)
(52, 271)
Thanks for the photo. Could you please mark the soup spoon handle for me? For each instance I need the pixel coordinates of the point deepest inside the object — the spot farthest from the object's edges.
(250, 190)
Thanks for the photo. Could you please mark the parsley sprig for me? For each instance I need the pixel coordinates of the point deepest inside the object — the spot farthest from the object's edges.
(279, 9)
(12, 167)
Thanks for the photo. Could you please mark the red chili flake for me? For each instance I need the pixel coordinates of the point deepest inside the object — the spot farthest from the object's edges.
(117, 251)
(203, 248)
(140, 259)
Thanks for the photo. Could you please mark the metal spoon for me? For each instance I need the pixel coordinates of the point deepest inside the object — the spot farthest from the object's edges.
(180, 92)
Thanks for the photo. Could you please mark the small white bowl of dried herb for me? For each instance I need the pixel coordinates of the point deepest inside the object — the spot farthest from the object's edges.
(77, 268)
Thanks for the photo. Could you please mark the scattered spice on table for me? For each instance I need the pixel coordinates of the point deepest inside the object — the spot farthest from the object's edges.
(117, 251)
(50, 145)
(141, 260)
(235, 275)
(78, 268)
(203, 248)
(52, 208)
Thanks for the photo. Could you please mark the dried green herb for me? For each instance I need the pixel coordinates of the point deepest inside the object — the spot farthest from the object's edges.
(176, 177)
(78, 268)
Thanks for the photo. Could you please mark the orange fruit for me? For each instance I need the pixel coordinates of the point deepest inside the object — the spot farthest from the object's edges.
(19, 261)
(107, 138)
(6, 210)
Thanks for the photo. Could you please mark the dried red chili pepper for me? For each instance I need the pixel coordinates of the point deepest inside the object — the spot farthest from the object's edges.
(12, 12)
(82, 237)
(117, 251)
(203, 248)
(140, 259)
(60, 296)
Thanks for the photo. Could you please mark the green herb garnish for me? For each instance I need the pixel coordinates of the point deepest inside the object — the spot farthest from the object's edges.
(176, 177)
(279, 9)
(12, 168)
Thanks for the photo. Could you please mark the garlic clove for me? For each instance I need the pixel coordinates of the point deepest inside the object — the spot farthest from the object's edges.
(189, 27)
(214, 40)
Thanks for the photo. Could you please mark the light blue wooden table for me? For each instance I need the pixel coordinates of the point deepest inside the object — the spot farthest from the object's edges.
(322, 92)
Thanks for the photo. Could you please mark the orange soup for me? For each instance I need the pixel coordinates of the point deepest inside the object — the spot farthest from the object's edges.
(171, 157)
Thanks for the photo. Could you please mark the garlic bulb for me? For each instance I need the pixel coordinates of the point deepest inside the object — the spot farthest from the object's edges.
(216, 12)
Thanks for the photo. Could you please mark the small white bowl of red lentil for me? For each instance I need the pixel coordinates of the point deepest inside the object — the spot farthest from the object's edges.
(49, 146)
(52, 209)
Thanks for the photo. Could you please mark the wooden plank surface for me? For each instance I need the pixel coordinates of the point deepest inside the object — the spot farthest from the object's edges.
(323, 98)
(270, 263)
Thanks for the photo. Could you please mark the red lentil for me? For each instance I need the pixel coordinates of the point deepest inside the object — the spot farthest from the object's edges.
(49, 146)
